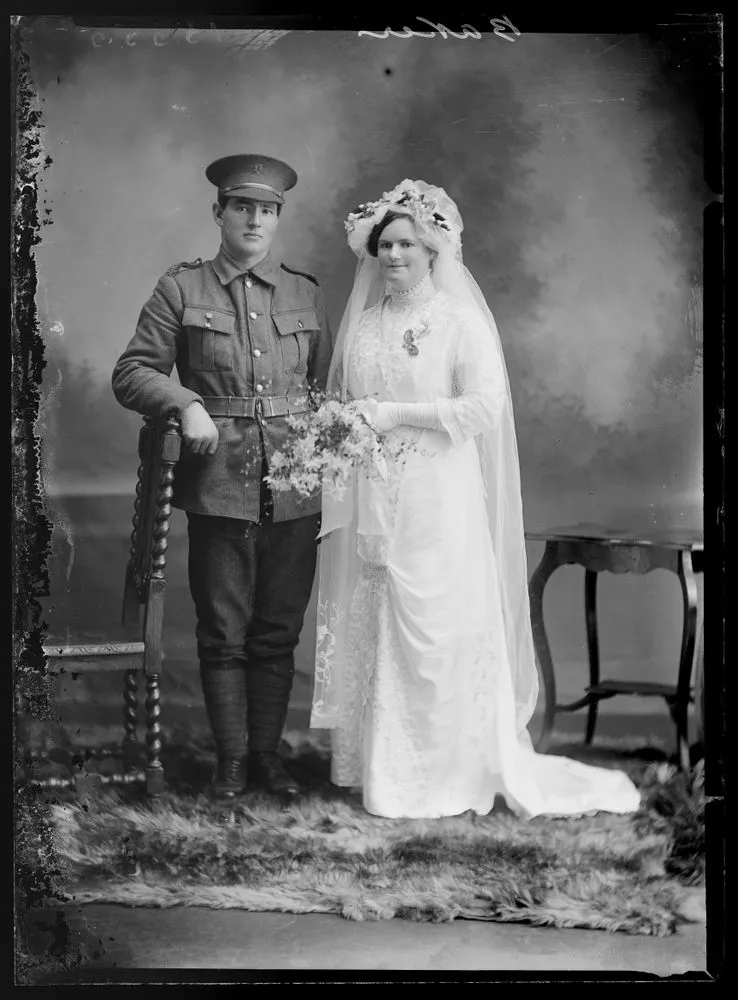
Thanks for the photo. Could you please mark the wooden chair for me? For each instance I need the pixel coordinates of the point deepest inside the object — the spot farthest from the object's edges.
(158, 451)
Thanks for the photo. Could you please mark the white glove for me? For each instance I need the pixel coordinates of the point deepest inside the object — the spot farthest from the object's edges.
(424, 415)
(385, 416)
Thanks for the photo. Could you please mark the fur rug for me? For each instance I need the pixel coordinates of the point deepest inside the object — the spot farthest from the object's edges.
(641, 874)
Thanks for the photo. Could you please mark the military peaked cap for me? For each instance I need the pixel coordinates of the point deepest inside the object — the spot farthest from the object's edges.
(251, 176)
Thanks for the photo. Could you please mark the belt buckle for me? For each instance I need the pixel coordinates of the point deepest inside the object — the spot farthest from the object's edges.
(259, 408)
(228, 413)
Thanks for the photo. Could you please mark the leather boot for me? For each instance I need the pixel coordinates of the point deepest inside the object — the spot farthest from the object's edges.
(224, 690)
(268, 686)
(267, 771)
(230, 778)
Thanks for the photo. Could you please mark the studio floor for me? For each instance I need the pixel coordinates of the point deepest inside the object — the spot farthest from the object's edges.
(186, 944)
(145, 943)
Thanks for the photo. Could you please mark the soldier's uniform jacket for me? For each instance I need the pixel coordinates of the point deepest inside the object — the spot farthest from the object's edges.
(259, 333)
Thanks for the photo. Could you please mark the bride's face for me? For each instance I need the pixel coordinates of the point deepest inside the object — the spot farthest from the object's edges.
(402, 257)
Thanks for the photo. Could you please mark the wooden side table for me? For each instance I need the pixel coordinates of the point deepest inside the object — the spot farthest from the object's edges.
(600, 550)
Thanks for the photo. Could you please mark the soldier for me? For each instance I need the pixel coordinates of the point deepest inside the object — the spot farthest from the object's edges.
(250, 337)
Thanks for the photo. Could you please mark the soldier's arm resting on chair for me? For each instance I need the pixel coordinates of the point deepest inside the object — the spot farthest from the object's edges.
(142, 379)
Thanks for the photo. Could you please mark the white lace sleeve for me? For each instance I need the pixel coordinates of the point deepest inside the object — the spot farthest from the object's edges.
(478, 380)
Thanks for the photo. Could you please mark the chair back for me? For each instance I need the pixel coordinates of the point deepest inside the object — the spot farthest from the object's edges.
(159, 446)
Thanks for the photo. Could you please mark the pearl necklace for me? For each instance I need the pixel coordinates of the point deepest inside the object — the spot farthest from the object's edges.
(422, 291)
(420, 288)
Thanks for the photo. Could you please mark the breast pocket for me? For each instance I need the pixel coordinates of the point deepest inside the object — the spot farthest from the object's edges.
(295, 329)
(210, 335)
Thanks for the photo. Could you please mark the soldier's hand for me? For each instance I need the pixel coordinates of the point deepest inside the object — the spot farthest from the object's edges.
(199, 433)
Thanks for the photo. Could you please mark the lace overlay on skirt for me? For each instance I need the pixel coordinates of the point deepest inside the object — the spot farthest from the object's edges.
(377, 709)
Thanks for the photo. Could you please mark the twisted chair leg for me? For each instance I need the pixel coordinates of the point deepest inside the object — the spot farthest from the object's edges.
(130, 716)
(154, 768)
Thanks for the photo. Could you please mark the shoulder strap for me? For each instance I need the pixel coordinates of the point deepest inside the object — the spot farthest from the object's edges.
(304, 274)
(176, 268)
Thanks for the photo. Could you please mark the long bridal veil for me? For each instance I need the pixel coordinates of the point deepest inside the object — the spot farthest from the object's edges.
(499, 461)
(533, 783)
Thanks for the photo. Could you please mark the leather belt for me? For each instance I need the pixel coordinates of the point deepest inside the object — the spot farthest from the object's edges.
(253, 406)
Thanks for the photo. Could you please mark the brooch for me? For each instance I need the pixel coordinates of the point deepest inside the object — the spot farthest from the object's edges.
(408, 342)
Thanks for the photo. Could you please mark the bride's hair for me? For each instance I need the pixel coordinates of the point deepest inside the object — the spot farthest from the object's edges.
(372, 244)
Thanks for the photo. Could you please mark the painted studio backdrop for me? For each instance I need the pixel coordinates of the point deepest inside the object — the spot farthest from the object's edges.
(576, 162)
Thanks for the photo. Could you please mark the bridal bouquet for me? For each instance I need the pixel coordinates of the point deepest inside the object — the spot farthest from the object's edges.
(323, 448)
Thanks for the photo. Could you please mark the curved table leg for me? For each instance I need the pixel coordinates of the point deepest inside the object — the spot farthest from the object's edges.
(548, 564)
(699, 686)
(593, 647)
(679, 708)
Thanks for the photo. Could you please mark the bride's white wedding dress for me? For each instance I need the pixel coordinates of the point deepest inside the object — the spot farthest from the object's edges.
(411, 640)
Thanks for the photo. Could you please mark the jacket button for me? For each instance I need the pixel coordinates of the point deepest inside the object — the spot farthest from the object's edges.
(257, 353)
(249, 284)
(260, 387)
(300, 324)
(253, 315)
(208, 315)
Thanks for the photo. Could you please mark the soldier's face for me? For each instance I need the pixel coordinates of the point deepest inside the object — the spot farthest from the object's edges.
(247, 227)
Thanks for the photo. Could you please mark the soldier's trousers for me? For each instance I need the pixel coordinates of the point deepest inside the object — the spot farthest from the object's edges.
(251, 585)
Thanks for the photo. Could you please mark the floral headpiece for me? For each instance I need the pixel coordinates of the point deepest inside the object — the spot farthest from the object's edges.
(433, 212)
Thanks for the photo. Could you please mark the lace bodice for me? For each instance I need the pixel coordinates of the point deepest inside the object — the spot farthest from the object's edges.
(403, 347)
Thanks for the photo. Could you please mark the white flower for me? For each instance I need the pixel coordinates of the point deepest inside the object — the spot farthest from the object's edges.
(278, 461)
(324, 447)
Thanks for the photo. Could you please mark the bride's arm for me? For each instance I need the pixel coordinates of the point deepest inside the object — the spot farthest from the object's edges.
(479, 380)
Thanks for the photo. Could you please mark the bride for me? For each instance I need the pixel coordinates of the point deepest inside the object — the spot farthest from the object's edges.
(425, 667)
